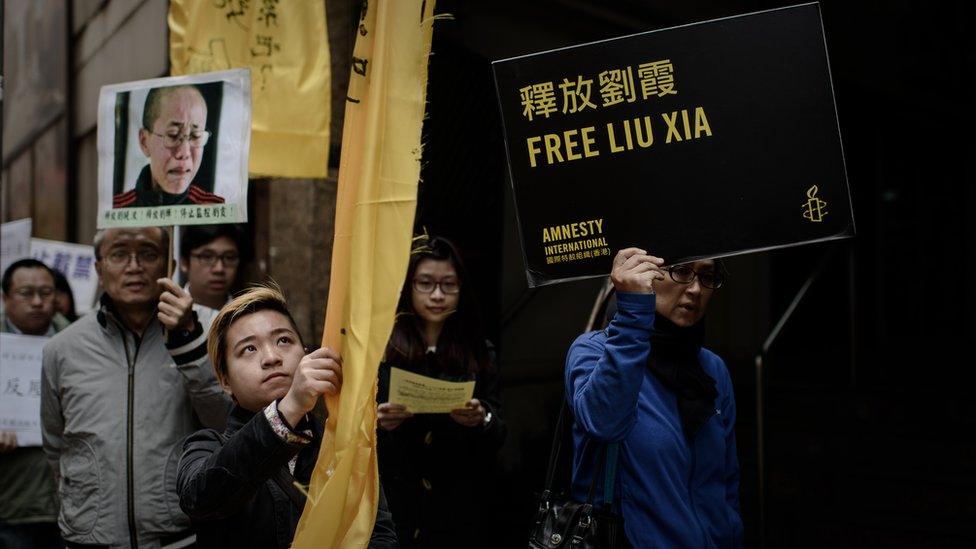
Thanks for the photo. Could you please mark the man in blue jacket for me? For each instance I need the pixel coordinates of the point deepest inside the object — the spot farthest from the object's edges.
(646, 383)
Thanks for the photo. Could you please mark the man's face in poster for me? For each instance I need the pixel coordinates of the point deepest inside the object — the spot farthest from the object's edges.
(174, 142)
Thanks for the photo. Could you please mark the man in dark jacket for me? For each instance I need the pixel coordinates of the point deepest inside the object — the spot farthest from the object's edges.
(238, 487)
(28, 508)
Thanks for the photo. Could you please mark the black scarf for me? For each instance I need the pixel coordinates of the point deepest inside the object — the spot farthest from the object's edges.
(674, 359)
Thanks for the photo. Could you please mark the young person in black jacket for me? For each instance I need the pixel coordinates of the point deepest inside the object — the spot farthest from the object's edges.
(238, 486)
(438, 469)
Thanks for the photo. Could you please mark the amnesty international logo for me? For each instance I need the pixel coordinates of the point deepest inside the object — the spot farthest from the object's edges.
(814, 209)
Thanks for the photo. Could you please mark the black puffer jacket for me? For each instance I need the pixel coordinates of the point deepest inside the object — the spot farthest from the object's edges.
(228, 487)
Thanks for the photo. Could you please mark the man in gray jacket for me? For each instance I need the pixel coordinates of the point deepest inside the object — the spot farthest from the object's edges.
(120, 390)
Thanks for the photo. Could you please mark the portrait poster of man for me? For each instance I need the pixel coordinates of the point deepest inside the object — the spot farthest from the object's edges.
(174, 151)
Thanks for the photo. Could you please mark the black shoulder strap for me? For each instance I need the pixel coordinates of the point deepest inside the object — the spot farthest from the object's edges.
(286, 482)
(606, 463)
(555, 449)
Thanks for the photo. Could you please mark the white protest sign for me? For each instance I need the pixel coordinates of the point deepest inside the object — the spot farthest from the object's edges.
(14, 242)
(20, 386)
(76, 262)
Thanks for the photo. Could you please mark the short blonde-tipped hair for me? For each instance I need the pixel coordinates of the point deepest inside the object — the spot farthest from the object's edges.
(254, 299)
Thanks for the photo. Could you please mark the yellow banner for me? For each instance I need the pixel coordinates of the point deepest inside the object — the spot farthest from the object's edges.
(377, 196)
(286, 46)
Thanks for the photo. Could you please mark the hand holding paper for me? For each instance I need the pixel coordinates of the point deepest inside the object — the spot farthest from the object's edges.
(8, 441)
(389, 415)
(472, 415)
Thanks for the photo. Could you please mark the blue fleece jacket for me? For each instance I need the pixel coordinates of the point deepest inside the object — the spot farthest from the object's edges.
(671, 492)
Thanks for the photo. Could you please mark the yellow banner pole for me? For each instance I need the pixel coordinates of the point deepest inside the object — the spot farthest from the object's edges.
(378, 176)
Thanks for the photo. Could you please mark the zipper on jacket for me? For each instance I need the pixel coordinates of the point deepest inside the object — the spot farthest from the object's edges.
(129, 441)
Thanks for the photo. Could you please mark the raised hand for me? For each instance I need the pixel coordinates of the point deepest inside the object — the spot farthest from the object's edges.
(319, 373)
(175, 306)
(635, 271)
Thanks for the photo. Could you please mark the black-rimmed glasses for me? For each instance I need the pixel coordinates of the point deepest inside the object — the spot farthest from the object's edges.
(27, 293)
(684, 274)
(121, 258)
(208, 259)
(426, 286)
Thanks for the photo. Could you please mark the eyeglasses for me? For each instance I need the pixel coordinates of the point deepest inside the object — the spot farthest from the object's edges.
(684, 274)
(209, 259)
(196, 138)
(27, 293)
(121, 258)
(426, 286)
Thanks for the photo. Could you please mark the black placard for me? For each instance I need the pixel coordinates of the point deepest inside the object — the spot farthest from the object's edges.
(699, 141)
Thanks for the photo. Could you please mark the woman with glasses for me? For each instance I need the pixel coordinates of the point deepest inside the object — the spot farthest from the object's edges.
(436, 468)
(648, 399)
